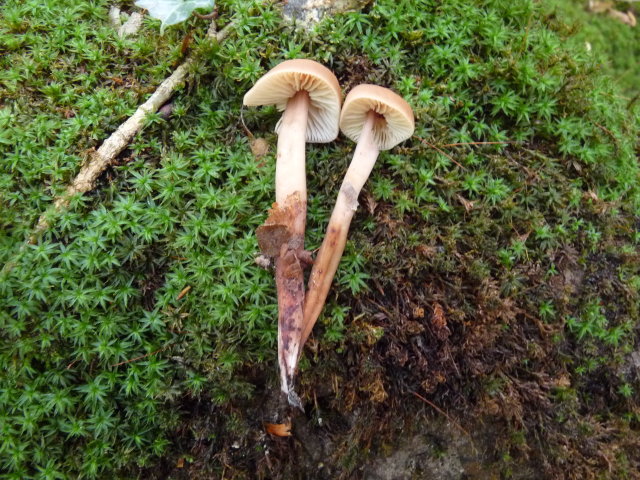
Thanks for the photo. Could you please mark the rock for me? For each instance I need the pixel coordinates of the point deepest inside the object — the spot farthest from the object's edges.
(309, 12)
(132, 25)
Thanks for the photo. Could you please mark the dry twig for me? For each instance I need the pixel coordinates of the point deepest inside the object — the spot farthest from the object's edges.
(142, 356)
(423, 141)
(476, 143)
(118, 141)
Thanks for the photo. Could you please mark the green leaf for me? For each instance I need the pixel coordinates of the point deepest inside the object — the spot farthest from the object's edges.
(171, 12)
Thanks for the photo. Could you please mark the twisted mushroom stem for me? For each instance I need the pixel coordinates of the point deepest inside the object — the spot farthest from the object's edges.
(328, 259)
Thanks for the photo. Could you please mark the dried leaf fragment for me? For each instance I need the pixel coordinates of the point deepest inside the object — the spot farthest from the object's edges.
(440, 322)
(370, 202)
(625, 17)
(114, 17)
(563, 381)
(263, 261)
(438, 316)
(131, 26)
(277, 228)
(259, 147)
(271, 238)
(467, 204)
(426, 250)
(183, 292)
(278, 429)
(376, 390)
(598, 6)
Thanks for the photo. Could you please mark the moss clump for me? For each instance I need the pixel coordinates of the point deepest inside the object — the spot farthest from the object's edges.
(615, 45)
(510, 249)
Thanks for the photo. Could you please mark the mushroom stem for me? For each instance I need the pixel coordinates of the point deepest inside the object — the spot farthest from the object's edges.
(291, 201)
(326, 263)
(290, 162)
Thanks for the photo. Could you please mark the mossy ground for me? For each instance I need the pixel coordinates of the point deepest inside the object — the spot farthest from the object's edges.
(499, 281)
(616, 45)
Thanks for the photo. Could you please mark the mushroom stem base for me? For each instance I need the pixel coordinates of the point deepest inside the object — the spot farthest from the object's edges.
(279, 237)
(328, 259)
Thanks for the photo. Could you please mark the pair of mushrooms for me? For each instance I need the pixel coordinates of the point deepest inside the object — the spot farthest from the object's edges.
(374, 117)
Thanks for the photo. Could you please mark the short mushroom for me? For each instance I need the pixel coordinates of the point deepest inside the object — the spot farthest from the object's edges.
(377, 119)
(310, 96)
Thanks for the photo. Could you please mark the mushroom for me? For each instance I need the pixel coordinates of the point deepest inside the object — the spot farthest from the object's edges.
(310, 96)
(377, 119)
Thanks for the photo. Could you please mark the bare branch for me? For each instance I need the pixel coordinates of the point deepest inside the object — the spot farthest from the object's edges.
(118, 141)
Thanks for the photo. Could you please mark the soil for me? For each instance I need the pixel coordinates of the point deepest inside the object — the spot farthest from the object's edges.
(422, 388)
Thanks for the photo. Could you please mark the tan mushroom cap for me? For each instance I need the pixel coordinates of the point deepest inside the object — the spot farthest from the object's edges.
(395, 125)
(282, 82)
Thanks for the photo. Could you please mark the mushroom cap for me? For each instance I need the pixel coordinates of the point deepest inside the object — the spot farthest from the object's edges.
(283, 81)
(396, 117)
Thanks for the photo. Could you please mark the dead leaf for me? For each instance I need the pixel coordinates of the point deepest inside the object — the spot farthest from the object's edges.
(412, 328)
(370, 203)
(563, 381)
(180, 463)
(114, 17)
(376, 390)
(184, 291)
(438, 316)
(598, 6)
(624, 17)
(166, 110)
(467, 204)
(186, 43)
(259, 147)
(632, 18)
(271, 238)
(592, 195)
(278, 429)
(440, 322)
(371, 333)
(418, 312)
(523, 238)
(430, 384)
(426, 250)
(131, 26)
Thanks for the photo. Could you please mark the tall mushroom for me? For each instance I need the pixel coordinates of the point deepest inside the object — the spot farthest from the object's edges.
(310, 96)
(377, 119)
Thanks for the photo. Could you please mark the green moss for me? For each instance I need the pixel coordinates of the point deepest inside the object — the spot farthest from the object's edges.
(101, 346)
(615, 46)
